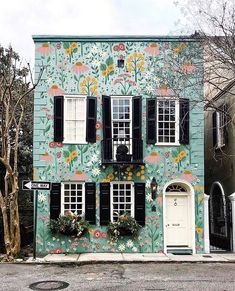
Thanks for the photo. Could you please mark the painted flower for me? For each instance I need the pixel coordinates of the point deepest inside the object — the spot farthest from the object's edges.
(58, 45)
(160, 200)
(121, 247)
(188, 68)
(188, 176)
(79, 176)
(104, 235)
(134, 249)
(176, 160)
(55, 91)
(178, 49)
(42, 197)
(129, 243)
(153, 158)
(152, 50)
(89, 86)
(46, 158)
(57, 250)
(73, 155)
(44, 49)
(149, 197)
(164, 91)
(98, 125)
(167, 154)
(97, 234)
(91, 230)
(79, 68)
(95, 171)
(110, 176)
(121, 46)
(182, 154)
(94, 158)
(98, 246)
(199, 230)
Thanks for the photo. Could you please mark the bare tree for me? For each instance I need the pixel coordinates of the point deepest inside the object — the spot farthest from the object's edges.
(15, 89)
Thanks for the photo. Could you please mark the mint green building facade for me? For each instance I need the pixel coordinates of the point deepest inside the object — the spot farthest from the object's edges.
(165, 139)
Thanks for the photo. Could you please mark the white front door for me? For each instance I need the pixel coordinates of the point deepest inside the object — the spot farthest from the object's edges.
(177, 220)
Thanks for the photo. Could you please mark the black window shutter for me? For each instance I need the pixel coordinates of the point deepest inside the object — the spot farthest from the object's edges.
(151, 117)
(226, 122)
(140, 203)
(184, 121)
(55, 200)
(104, 203)
(90, 202)
(91, 119)
(137, 145)
(59, 118)
(214, 128)
(107, 133)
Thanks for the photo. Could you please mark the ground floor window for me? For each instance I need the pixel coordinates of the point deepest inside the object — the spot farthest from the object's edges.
(122, 199)
(73, 197)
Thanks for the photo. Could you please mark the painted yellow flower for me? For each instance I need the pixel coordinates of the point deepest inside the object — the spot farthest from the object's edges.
(110, 68)
(74, 45)
(199, 230)
(142, 177)
(104, 180)
(68, 160)
(89, 86)
(182, 154)
(130, 174)
(129, 178)
(128, 169)
(135, 55)
(83, 83)
(68, 51)
(142, 172)
(83, 90)
(104, 73)
(200, 197)
(91, 230)
(142, 167)
(111, 176)
(138, 174)
(73, 155)
(176, 160)
(199, 188)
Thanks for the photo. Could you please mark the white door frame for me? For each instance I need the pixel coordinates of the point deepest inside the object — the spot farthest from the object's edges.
(191, 198)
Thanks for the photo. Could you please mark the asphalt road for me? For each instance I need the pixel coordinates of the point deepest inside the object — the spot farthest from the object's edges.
(149, 276)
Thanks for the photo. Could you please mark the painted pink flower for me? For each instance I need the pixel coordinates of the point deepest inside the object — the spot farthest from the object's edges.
(46, 158)
(98, 138)
(98, 125)
(98, 246)
(121, 46)
(52, 144)
(188, 68)
(55, 91)
(160, 200)
(167, 154)
(50, 116)
(44, 49)
(97, 234)
(116, 48)
(58, 45)
(79, 176)
(153, 158)
(104, 235)
(59, 144)
(58, 155)
(79, 68)
(57, 250)
(152, 50)
(188, 176)
(164, 91)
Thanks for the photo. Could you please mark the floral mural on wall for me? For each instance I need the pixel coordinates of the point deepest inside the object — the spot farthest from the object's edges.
(90, 68)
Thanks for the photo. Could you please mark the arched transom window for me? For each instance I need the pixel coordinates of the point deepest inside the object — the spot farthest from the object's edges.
(176, 188)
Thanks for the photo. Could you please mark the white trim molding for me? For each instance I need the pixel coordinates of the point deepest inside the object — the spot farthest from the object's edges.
(191, 195)
(232, 199)
(206, 224)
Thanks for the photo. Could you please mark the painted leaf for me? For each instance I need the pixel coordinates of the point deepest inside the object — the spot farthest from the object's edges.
(66, 45)
(66, 154)
(103, 67)
(109, 61)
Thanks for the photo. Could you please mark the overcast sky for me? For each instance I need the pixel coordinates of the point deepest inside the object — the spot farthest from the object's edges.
(20, 19)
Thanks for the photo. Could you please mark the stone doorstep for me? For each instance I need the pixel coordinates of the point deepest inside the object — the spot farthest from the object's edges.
(196, 258)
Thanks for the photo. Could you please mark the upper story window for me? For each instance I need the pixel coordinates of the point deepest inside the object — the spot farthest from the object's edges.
(167, 121)
(75, 119)
(220, 121)
(122, 129)
(167, 126)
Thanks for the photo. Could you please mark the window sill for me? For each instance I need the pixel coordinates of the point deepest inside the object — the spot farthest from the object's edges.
(75, 142)
(168, 144)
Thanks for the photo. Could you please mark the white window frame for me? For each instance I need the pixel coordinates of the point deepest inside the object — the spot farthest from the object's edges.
(63, 196)
(122, 120)
(132, 197)
(66, 140)
(177, 121)
(220, 138)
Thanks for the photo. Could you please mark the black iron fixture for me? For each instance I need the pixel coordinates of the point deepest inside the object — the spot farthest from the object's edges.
(154, 186)
(120, 63)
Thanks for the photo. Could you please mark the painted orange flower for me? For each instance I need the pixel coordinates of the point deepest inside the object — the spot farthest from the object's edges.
(153, 158)
(182, 154)
(188, 176)
(176, 160)
(152, 50)
(55, 91)
(188, 68)
(46, 158)
(44, 49)
(79, 176)
(164, 91)
(79, 68)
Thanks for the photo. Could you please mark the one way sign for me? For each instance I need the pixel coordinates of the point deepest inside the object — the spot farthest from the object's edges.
(36, 185)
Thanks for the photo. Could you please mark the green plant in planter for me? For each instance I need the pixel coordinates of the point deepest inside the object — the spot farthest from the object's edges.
(124, 226)
(69, 224)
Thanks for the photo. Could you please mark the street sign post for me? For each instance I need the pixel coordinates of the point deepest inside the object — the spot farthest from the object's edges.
(36, 185)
